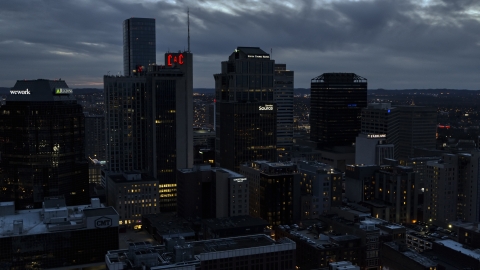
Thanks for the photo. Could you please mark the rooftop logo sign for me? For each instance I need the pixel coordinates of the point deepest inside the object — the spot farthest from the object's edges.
(20, 92)
(258, 56)
(103, 222)
(63, 91)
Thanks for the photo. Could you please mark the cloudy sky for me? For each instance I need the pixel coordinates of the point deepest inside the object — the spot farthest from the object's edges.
(395, 44)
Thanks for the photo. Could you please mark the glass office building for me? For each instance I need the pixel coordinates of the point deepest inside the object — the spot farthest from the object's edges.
(42, 145)
(138, 45)
(246, 112)
(335, 111)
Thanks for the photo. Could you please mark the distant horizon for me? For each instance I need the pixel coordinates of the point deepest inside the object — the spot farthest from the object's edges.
(394, 44)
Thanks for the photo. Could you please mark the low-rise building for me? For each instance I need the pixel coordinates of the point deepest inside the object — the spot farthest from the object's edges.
(398, 257)
(246, 252)
(56, 235)
(132, 194)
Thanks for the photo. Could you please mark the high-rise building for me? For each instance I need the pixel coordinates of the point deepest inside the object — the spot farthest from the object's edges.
(170, 95)
(95, 137)
(322, 182)
(42, 150)
(441, 190)
(283, 96)
(395, 187)
(336, 103)
(452, 189)
(149, 119)
(414, 127)
(126, 123)
(274, 191)
(138, 45)
(379, 119)
(246, 122)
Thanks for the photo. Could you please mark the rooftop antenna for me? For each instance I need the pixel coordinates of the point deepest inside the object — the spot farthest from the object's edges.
(271, 53)
(188, 25)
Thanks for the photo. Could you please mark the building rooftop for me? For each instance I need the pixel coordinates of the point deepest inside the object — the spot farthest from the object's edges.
(459, 247)
(177, 252)
(234, 222)
(413, 255)
(167, 225)
(41, 90)
(252, 50)
(33, 220)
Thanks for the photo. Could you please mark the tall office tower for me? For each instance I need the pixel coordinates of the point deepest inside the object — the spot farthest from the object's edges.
(138, 45)
(415, 127)
(274, 191)
(42, 145)
(95, 137)
(336, 103)
(283, 96)
(208, 192)
(246, 112)
(395, 187)
(170, 110)
(125, 123)
(379, 119)
(322, 182)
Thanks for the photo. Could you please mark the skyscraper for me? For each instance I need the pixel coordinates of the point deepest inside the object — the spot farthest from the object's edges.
(246, 111)
(138, 45)
(414, 127)
(126, 123)
(283, 96)
(42, 145)
(170, 118)
(336, 103)
(149, 112)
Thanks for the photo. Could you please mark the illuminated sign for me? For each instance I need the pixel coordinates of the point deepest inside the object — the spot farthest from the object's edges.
(265, 108)
(20, 92)
(103, 222)
(258, 56)
(376, 135)
(63, 91)
(175, 58)
(240, 179)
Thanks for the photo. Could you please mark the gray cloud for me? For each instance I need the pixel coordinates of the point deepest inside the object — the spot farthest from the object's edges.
(394, 44)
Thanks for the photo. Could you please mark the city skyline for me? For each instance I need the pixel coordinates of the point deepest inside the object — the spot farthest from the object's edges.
(397, 45)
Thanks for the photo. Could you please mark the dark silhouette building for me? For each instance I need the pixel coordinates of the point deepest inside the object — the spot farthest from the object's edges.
(336, 103)
(138, 45)
(246, 122)
(42, 145)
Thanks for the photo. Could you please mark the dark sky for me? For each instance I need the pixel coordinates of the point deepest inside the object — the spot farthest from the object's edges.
(395, 44)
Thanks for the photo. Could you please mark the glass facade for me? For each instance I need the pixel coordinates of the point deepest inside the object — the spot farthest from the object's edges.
(126, 124)
(336, 103)
(138, 44)
(246, 113)
(42, 147)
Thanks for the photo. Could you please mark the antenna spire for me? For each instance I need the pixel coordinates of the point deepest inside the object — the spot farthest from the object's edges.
(188, 23)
